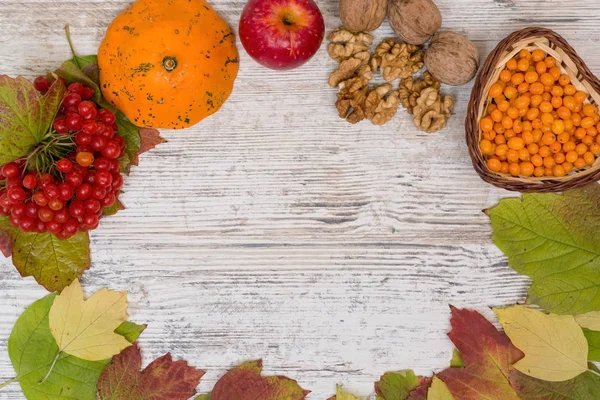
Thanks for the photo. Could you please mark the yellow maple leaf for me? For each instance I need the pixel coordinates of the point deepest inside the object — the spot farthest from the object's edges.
(342, 395)
(439, 390)
(554, 345)
(85, 328)
(589, 320)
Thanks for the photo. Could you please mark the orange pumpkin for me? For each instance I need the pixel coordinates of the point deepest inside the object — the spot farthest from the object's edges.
(168, 63)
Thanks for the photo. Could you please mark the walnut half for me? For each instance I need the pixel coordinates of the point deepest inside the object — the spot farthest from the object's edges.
(397, 60)
(432, 110)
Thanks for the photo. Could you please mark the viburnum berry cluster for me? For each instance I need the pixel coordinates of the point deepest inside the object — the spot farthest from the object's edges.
(65, 183)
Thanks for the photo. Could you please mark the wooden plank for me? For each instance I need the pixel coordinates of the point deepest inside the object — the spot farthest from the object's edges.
(274, 229)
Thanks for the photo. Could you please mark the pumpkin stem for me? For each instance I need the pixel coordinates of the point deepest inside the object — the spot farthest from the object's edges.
(169, 63)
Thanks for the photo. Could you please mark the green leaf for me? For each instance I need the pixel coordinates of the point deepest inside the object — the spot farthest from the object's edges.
(396, 385)
(456, 361)
(115, 208)
(54, 263)
(584, 387)
(205, 396)
(593, 339)
(554, 240)
(71, 72)
(32, 349)
(25, 115)
(130, 330)
(131, 134)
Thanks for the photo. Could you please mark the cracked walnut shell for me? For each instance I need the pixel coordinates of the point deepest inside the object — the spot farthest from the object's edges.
(397, 60)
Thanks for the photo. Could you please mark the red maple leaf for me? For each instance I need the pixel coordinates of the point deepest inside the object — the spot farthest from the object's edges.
(487, 355)
(246, 383)
(149, 139)
(162, 379)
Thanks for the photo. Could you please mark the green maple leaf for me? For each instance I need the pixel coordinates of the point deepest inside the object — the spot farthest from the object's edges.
(555, 240)
(583, 387)
(593, 339)
(245, 382)
(396, 385)
(54, 263)
(32, 349)
(162, 379)
(25, 115)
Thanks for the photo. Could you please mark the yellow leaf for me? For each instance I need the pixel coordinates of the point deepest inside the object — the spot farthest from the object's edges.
(85, 328)
(554, 345)
(439, 390)
(341, 395)
(589, 320)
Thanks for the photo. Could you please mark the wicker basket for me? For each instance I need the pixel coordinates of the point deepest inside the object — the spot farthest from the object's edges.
(581, 77)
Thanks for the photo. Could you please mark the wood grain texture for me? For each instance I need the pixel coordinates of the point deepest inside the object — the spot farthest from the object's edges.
(274, 229)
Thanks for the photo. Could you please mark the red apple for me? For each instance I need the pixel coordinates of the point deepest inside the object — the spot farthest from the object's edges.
(282, 34)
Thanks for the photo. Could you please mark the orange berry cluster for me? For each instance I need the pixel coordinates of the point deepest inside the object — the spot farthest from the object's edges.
(538, 123)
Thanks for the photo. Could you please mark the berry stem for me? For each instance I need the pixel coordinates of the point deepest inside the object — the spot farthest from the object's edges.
(68, 33)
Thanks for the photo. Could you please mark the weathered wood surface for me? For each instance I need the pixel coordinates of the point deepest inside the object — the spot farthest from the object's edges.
(276, 230)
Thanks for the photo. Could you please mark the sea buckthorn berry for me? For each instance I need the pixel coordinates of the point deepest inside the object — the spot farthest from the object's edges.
(523, 88)
(547, 79)
(522, 102)
(494, 165)
(524, 155)
(531, 77)
(496, 90)
(555, 72)
(538, 55)
(558, 171)
(537, 160)
(581, 149)
(559, 157)
(555, 147)
(512, 112)
(579, 163)
(587, 122)
(570, 90)
(505, 76)
(512, 155)
(557, 91)
(514, 169)
(496, 115)
(589, 158)
(556, 102)
(507, 122)
(589, 110)
(549, 162)
(510, 92)
(517, 79)
(486, 147)
(580, 97)
(541, 67)
(523, 64)
(527, 168)
(558, 126)
(564, 80)
(516, 143)
(504, 169)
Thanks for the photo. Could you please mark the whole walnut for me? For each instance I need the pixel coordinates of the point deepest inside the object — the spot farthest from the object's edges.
(362, 15)
(452, 58)
(415, 21)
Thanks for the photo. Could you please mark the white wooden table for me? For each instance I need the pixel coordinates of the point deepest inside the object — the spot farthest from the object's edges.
(276, 230)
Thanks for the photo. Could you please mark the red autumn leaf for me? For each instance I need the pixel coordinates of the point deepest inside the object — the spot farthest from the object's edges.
(149, 139)
(246, 383)
(162, 379)
(487, 355)
(6, 243)
(420, 393)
